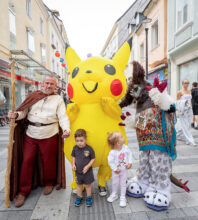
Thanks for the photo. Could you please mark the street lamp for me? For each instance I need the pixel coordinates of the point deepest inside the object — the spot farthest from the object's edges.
(145, 22)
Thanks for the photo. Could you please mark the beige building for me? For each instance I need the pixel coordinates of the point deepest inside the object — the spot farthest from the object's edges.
(131, 24)
(157, 40)
(26, 27)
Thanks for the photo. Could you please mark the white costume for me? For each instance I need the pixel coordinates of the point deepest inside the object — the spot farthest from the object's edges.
(185, 113)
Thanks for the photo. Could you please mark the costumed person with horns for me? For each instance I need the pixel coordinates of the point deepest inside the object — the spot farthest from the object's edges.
(156, 135)
(38, 157)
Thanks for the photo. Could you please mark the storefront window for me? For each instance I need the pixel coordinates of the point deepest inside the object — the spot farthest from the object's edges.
(188, 71)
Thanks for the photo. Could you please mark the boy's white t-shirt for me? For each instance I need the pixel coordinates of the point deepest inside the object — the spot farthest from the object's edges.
(119, 159)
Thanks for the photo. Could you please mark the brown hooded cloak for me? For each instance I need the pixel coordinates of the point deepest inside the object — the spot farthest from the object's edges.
(17, 154)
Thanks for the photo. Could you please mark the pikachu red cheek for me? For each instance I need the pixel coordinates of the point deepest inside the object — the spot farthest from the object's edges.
(70, 91)
(116, 87)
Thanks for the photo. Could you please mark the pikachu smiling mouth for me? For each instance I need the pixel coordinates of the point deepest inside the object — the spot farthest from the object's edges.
(90, 86)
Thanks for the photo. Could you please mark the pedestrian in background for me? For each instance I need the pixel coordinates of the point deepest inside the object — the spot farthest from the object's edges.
(183, 105)
(2, 99)
(194, 93)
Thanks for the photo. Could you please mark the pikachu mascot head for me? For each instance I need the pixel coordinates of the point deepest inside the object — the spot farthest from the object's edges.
(95, 87)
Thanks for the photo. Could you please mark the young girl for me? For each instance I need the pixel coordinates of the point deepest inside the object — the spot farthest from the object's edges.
(119, 159)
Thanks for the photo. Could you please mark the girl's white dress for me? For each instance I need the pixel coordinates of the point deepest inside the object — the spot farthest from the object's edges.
(185, 114)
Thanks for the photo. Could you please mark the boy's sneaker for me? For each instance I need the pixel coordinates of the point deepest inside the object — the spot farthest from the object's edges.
(78, 201)
(122, 201)
(89, 201)
(102, 191)
(112, 197)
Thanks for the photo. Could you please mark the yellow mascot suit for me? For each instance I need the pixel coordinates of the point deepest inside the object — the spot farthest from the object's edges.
(95, 87)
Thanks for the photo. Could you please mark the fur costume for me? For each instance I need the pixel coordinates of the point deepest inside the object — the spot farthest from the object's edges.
(155, 118)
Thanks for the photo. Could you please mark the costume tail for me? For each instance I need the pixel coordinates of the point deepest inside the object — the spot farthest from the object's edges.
(178, 182)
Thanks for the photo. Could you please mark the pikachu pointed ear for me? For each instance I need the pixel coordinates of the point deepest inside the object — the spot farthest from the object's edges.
(122, 56)
(71, 57)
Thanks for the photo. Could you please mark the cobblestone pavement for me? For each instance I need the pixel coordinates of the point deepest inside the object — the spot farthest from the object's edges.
(59, 204)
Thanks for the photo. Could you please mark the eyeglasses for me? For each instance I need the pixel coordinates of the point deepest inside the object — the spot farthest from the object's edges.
(186, 82)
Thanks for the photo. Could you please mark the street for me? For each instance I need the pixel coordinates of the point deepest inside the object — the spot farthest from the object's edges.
(60, 204)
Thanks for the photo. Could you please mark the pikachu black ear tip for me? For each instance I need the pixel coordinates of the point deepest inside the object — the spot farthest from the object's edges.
(130, 42)
(66, 46)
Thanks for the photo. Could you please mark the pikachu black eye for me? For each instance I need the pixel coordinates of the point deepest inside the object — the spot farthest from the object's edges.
(75, 72)
(110, 69)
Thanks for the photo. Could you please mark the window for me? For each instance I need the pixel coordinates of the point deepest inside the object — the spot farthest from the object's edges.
(53, 66)
(142, 52)
(12, 22)
(132, 55)
(52, 39)
(154, 34)
(12, 30)
(29, 8)
(41, 26)
(57, 68)
(56, 45)
(30, 40)
(43, 53)
(182, 12)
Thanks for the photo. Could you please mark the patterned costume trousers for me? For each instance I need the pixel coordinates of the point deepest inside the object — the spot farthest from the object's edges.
(154, 169)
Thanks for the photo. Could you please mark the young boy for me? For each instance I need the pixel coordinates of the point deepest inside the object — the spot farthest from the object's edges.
(83, 157)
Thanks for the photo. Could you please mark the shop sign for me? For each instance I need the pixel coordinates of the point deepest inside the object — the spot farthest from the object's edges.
(21, 78)
(162, 75)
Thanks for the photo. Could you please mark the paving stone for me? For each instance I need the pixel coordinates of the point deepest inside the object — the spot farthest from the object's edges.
(119, 210)
(3, 164)
(15, 215)
(154, 215)
(93, 216)
(185, 168)
(29, 204)
(132, 216)
(191, 211)
(185, 161)
(137, 205)
(181, 200)
(2, 178)
(175, 213)
(100, 205)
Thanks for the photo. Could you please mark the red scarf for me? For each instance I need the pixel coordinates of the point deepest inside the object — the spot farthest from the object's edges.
(33, 98)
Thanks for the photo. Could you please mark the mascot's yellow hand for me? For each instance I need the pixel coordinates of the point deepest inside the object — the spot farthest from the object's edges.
(72, 111)
(110, 107)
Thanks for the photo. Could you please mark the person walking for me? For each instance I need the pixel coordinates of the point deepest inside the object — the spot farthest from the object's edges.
(42, 110)
(194, 93)
(183, 105)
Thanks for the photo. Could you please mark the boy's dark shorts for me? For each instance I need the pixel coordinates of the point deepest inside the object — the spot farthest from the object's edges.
(86, 178)
(195, 109)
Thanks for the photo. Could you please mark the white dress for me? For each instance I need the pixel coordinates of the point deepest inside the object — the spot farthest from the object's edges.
(185, 113)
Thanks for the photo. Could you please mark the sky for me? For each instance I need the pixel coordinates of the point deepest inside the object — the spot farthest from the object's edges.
(88, 23)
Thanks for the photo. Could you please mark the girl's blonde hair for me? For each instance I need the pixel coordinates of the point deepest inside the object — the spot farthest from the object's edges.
(113, 138)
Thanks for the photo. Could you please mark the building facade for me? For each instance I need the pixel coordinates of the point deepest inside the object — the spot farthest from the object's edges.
(58, 39)
(156, 11)
(123, 29)
(182, 42)
(131, 24)
(25, 36)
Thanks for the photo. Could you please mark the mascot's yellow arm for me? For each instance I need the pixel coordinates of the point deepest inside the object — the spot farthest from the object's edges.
(111, 108)
(72, 111)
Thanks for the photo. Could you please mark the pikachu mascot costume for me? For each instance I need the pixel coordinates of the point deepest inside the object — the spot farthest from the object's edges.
(95, 87)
